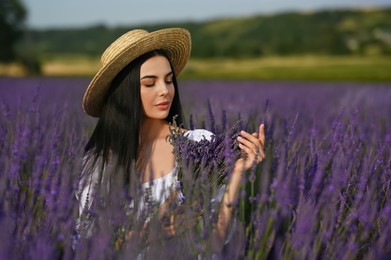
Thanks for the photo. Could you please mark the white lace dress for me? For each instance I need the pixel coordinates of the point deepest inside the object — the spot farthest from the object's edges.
(156, 191)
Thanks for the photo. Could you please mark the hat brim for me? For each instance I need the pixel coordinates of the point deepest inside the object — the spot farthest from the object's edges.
(175, 41)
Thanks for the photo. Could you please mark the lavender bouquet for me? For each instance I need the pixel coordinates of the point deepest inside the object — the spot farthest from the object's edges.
(204, 167)
(206, 158)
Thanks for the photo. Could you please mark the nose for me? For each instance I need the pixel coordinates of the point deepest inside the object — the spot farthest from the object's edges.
(163, 89)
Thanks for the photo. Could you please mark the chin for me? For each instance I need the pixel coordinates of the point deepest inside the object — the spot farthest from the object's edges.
(158, 117)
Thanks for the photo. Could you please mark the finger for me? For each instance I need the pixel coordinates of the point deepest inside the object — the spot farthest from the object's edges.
(245, 149)
(249, 152)
(261, 155)
(169, 231)
(249, 137)
(261, 135)
(250, 143)
(172, 220)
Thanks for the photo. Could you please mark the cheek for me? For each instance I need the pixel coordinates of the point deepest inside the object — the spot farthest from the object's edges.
(171, 90)
(145, 96)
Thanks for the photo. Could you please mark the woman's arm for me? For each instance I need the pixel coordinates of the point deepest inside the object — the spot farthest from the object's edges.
(253, 147)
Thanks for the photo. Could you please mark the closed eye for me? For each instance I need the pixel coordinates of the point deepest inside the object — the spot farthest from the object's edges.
(169, 78)
(149, 80)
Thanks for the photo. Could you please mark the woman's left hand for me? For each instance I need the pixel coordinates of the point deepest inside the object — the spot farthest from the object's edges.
(252, 146)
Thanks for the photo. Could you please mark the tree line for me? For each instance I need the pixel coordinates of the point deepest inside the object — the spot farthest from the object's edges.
(338, 32)
(327, 32)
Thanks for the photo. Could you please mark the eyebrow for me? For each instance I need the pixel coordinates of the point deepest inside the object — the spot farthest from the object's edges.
(155, 77)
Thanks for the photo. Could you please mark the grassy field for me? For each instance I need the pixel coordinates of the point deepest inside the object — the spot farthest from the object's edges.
(294, 68)
(321, 68)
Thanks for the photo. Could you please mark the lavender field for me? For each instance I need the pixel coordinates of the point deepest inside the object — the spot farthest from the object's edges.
(323, 191)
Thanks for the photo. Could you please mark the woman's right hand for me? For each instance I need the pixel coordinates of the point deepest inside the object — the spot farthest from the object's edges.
(179, 220)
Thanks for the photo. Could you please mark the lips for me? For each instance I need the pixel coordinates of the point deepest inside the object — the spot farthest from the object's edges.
(163, 105)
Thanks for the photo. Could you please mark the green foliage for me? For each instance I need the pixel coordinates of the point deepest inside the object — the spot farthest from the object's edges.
(12, 15)
(343, 32)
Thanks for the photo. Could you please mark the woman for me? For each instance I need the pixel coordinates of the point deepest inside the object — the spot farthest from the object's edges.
(135, 95)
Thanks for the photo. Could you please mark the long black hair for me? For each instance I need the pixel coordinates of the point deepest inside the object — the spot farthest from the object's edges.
(118, 129)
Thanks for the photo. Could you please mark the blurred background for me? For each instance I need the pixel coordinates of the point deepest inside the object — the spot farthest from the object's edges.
(335, 40)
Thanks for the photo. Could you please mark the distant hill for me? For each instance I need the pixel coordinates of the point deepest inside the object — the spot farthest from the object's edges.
(333, 32)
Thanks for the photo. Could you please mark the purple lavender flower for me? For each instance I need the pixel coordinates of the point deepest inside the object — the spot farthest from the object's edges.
(323, 190)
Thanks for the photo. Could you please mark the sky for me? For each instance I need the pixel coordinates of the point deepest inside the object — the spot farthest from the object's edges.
(81, 13)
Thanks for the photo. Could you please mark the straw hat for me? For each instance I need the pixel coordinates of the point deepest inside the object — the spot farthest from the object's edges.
(175, 41)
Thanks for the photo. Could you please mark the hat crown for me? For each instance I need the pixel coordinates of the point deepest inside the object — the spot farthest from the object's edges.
(121, 44)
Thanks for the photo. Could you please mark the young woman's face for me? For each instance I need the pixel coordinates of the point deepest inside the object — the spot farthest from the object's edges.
(156, 87)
